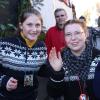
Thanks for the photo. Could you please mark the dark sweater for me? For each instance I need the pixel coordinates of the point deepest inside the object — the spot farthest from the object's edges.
(97, 82)
(61, 83)
(18, 60)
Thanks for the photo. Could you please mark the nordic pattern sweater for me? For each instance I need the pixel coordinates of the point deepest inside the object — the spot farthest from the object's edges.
(18, 60)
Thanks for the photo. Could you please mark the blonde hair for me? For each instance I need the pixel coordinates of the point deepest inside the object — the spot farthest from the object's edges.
(82, 24)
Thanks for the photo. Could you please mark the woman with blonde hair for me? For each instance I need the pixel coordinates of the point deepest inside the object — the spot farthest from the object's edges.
(72, 70)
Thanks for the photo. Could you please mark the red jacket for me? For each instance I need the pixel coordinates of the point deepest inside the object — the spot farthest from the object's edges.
(55, 38)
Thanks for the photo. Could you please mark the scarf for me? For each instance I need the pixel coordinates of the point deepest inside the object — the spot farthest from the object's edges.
(78, 65)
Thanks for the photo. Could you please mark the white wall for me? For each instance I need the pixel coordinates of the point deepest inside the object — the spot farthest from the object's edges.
(47, 11)
(87, 5)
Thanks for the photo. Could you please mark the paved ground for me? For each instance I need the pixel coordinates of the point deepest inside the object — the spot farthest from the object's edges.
(42, 94)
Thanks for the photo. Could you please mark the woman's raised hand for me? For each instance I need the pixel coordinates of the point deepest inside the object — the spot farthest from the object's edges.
(55, 59)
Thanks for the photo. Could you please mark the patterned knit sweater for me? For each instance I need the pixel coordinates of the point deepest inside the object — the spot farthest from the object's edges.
(17, 60)
(65, 83)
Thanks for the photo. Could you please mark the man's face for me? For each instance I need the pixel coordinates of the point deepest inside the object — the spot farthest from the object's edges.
(60, 17)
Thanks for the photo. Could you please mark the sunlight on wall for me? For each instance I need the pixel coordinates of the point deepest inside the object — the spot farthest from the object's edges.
(47, 11)
(88, 9)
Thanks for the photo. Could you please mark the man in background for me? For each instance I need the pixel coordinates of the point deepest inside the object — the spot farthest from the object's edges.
(55, 35)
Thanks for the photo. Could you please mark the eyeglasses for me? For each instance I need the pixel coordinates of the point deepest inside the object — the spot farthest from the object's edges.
(57, 16)
(76, 33)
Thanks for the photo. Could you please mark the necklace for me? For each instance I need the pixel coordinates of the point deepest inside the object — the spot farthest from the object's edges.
(83, 95)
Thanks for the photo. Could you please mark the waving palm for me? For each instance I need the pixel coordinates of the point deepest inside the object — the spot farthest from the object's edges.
(55, 60)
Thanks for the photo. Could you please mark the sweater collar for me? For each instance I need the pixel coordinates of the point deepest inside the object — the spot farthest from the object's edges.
(28, 42)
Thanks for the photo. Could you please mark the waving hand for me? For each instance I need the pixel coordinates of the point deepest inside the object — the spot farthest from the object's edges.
(55, 60)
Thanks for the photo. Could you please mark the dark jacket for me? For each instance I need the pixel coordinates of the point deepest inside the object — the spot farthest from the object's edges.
(63, 83)
(96, 82)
